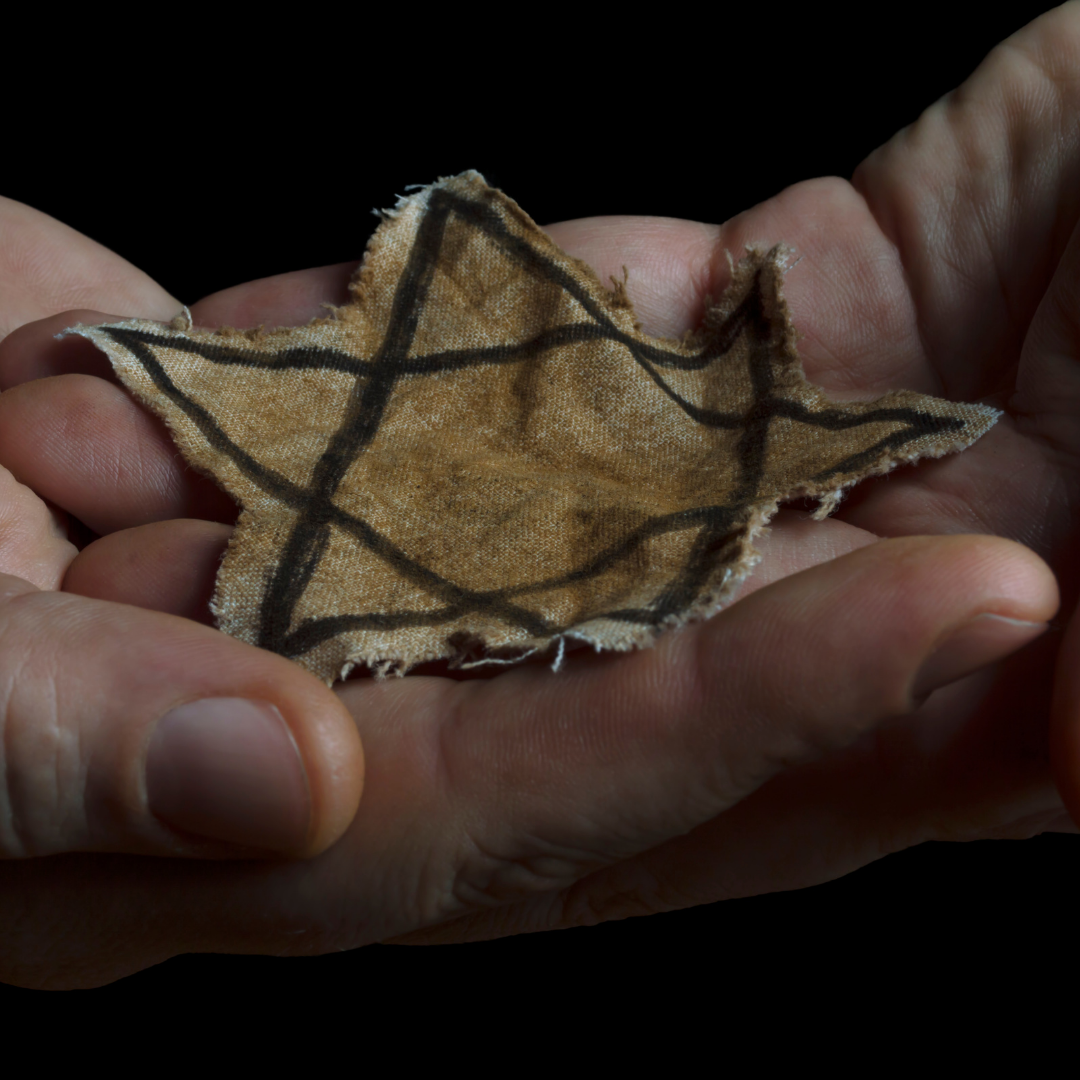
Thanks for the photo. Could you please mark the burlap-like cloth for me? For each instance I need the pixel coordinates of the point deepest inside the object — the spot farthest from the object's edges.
(481, 455)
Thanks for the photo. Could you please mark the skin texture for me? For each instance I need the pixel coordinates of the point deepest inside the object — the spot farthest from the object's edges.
(830, 716)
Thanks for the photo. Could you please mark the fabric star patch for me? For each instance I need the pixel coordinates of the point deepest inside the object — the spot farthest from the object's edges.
(481, 456)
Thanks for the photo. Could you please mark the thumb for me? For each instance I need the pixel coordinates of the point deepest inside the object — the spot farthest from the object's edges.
(640, 749)
(128, 730)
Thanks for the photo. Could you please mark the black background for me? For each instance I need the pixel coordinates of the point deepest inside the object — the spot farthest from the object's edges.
(210, 158)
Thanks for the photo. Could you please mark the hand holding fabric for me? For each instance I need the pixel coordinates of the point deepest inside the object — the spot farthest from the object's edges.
(780, 744)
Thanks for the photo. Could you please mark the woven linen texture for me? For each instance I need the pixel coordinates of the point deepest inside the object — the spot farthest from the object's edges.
(481, 455)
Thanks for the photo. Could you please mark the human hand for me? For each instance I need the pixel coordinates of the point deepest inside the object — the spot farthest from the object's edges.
(84, 683)
(688, 772)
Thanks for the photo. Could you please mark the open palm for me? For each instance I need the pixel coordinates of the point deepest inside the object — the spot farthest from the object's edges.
(631, 784)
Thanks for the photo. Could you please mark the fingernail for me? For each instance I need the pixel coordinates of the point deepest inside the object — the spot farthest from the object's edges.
(981, 641)
(228, 769)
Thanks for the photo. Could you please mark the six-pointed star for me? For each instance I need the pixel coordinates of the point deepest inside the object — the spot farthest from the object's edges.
(481, 454)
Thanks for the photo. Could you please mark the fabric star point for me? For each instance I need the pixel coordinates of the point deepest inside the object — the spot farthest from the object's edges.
(481, 455)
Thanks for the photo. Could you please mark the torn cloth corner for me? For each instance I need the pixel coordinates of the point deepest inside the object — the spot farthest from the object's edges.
(480, 454)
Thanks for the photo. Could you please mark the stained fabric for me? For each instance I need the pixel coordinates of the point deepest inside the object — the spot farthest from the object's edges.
(481, 455)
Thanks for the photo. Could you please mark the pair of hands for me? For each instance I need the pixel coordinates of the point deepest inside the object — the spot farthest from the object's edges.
(883, 679)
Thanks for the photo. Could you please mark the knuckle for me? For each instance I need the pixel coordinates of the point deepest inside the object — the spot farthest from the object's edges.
(628, 891)
(486, 876)
(41, 758)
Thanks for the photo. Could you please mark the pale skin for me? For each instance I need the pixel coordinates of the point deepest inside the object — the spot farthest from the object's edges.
(886, 677)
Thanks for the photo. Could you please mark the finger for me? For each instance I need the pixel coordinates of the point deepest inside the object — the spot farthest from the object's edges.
(107, 434)
(949, 772)
(282, 300)
(168, 566)
(788, 836)
(979, 197)
(924, 260)
(1047, 401)
(33, 541)
(794, 542)
(85, 445)
(130, 731)
(34, 351)
(483, 794)
(667, 262)
(110, 463)
(847, 293)
(47, 267)
(1021, 479)
(622, 753)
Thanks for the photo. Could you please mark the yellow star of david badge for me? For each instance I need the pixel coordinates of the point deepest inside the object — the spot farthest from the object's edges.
(481, 455)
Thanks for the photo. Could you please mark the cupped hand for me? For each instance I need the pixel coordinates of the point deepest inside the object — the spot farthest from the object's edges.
(841, 709)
